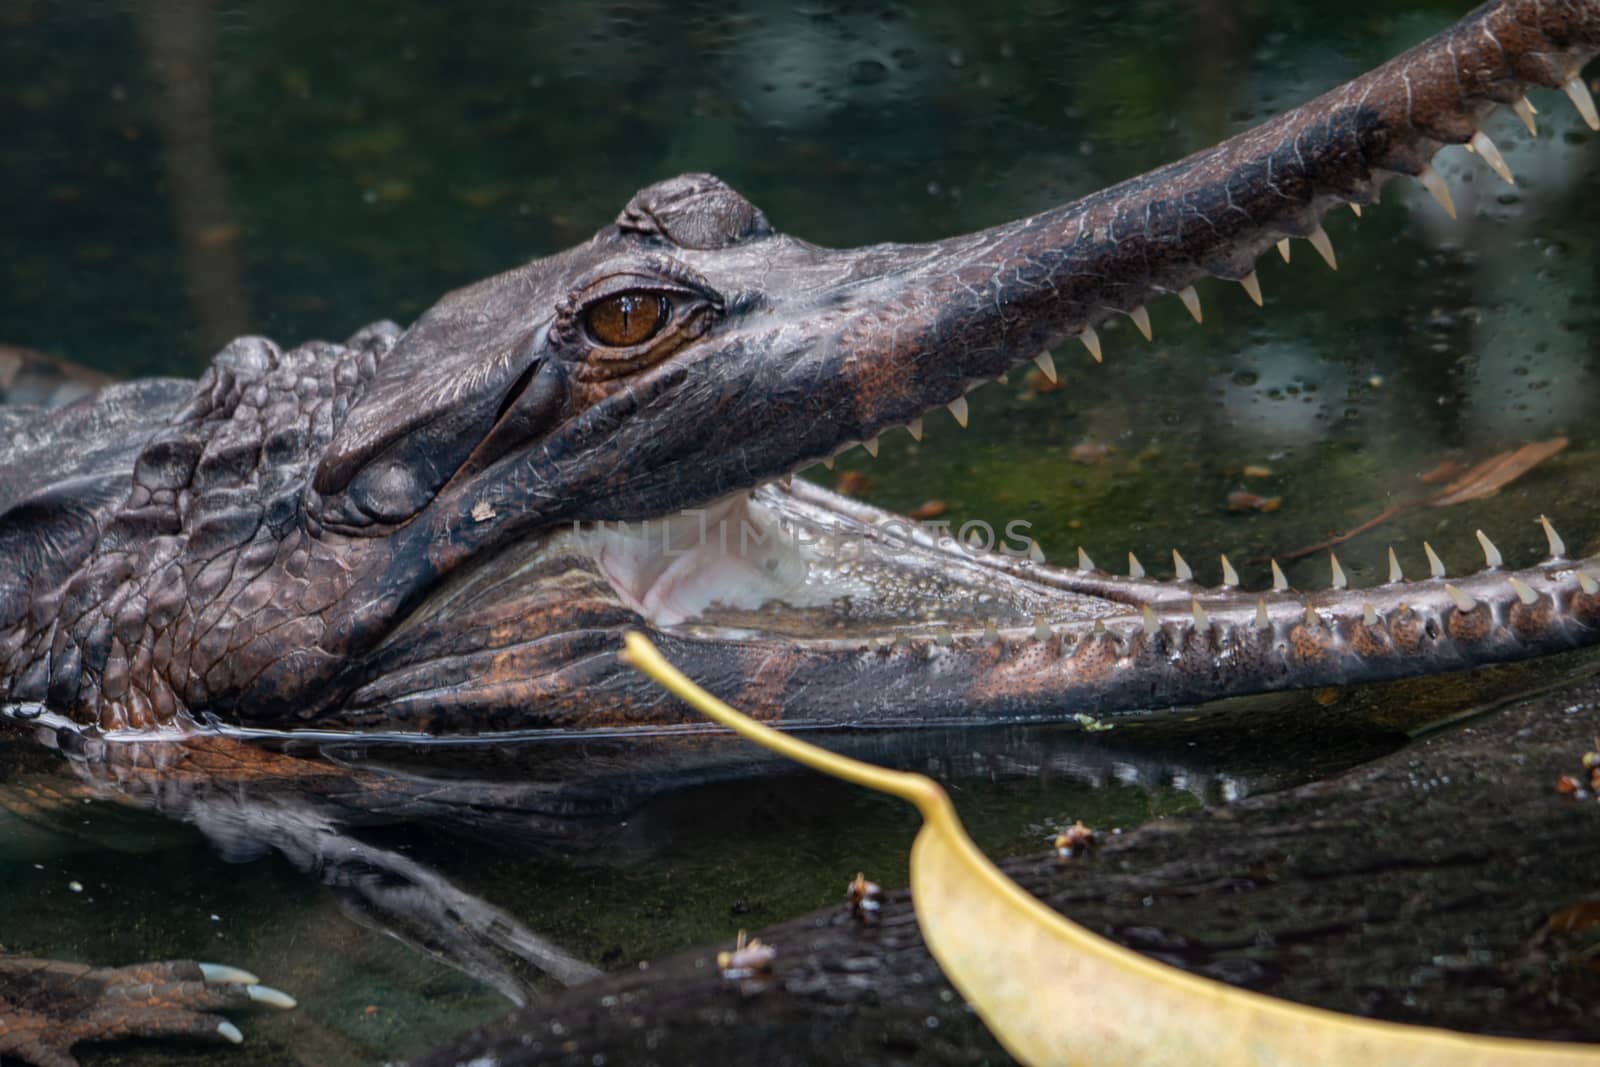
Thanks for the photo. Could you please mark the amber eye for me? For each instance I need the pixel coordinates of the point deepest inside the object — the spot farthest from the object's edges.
(627, 319)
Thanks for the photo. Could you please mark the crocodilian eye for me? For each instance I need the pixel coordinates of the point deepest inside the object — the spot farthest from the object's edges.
(627, 319)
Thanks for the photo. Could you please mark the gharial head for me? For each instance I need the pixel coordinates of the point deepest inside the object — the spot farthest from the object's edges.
(689, 356)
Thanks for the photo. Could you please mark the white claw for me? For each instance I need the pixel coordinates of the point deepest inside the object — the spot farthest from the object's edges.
(1320, 241)
(1084, 562)
(1525, 111)
(1180, 568)
(1202, 621)
(1463, 601)
(1149, 619)
(1191, 300)
(1279, 582)
(1579, 95)
(1252, 287)
(1491, 554)
(1587, 583)
(1369, 615)
(221, 972)
(914, 428)
(1230, 577)
(1135, 568)
(1339, 580)
(1485, 148)
(1283, 248)
(230, 1032)
(871, 445)
(1046, 365)
(1263, 622)
(1525, 592)
(1141, 319)
(958, 411)
(1091, 341)
(1356, 209)
(1395, 573)
(1433, 182)
(1435, 564)
(1558, 547)
(1035, 553)
(273, 998)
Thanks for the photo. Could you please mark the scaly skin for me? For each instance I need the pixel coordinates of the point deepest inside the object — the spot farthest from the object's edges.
(378, 534)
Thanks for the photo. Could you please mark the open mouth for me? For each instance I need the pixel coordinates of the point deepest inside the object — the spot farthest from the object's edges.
(805, 563)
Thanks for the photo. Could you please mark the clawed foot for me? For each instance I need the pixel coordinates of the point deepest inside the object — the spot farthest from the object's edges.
(46, 1007)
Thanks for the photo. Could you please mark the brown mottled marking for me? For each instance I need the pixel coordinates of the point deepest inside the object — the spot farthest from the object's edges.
(1470, 627)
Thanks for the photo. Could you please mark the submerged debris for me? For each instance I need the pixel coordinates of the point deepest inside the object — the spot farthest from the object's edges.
(1074, 841)
(864, 897)
(750, 959)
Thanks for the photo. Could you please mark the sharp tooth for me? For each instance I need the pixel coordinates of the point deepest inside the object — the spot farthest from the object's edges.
(1369, 615)
(1041, 629)
(1434, 183)
(991, 635)
(1191, 300)
(1084, 562)
(1141, 319)
(944, 636)
(1035, 553)
(871, 445)
(1463, 602)
(1230, 577)
(1283, 248)
(828, 463)
(1356, 208)
(1320, 241)
(1491, 554)
(1202, 621)
(1091, 341)
(1312, 619)
(1524, 592)
(1149, 618)
(787, 481)
(1279, 582)
(1395, 573)
(1180, 568)
(1135, 568)
(914, 428)
(1046, 365)
(1587, 583)
(958, 410)
(1558, 547)
(1339, 580)
(1481, 144)
(1579, 94)
(1262, 622)
(1435, 564)
(1525, 111)
(1252, 286)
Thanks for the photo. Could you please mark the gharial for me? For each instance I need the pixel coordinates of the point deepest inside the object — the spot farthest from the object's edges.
(448, 528)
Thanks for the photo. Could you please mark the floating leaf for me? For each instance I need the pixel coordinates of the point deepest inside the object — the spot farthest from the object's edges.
(1054, 993)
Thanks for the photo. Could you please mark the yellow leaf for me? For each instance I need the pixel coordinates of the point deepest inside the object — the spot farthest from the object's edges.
(1054, 993)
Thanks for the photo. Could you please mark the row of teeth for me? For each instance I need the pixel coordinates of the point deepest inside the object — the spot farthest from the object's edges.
(1430, 179)
(1588, 577)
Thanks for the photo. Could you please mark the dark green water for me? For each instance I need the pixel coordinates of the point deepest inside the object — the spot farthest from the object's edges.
(353, 161)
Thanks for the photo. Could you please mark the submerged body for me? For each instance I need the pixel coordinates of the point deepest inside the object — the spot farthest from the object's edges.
(423, 530)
